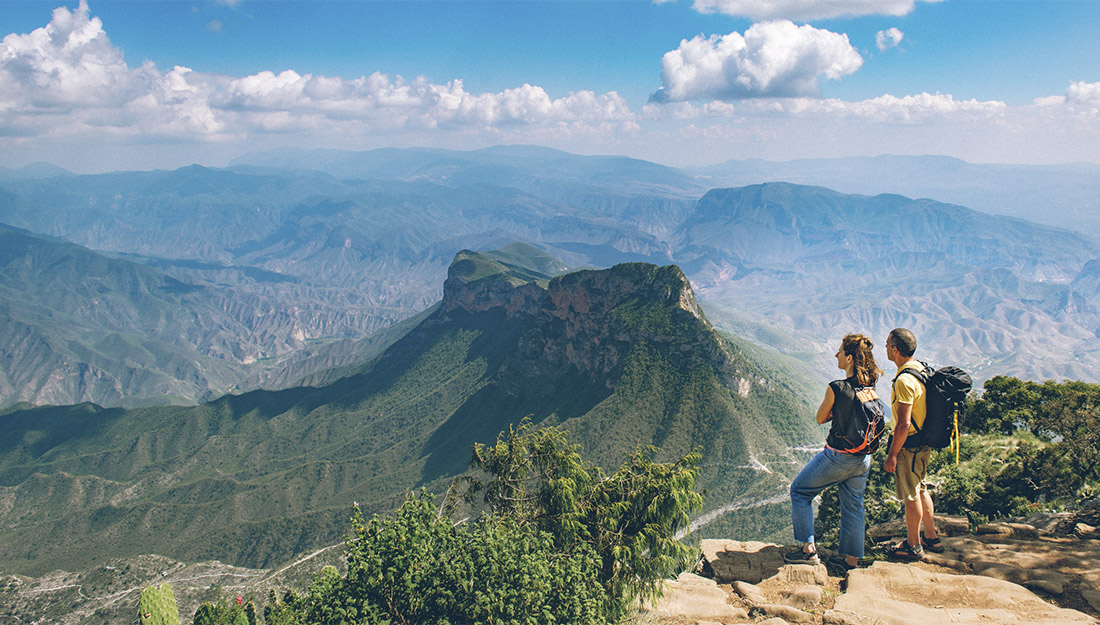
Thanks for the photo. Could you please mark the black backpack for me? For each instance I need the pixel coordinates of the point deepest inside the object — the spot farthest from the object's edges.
(860, 431)
(945, 392)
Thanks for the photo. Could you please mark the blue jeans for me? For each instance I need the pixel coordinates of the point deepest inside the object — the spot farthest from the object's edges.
(829, 468)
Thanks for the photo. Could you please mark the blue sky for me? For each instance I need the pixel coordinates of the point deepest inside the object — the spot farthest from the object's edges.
(133, 85)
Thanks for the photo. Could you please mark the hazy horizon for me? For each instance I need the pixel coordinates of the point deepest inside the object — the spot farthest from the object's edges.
(127, 85)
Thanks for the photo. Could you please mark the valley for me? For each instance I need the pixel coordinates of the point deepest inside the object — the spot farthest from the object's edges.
(283, 265)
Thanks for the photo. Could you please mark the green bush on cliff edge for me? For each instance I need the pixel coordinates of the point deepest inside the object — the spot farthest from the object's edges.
(554, 541)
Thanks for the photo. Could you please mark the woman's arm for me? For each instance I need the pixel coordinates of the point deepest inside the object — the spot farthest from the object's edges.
(825, 410)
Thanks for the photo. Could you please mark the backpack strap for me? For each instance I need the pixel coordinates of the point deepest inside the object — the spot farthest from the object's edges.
(920, 376)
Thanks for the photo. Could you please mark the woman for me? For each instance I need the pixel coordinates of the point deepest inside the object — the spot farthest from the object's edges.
(837, 464)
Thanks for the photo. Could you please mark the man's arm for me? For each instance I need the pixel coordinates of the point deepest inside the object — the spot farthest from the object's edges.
(825, 410)
(901, 432)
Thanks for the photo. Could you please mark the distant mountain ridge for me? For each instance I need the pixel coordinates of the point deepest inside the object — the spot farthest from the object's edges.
(619, 357)
(346, 244)
(1065, 195)
(987, 292)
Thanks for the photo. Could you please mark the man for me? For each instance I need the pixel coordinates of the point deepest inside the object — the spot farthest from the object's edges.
(909, 466)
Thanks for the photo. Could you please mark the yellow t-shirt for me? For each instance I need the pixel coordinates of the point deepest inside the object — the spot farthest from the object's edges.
(906, 389)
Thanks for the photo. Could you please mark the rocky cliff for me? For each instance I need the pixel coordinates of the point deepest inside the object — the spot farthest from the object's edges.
(1012, 572)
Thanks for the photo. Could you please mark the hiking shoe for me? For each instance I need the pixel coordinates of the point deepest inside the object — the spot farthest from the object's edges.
(932, 544)
(839, 564)
(902, 551)
(801, 557)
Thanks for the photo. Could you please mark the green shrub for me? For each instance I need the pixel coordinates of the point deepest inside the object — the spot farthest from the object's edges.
(224, 612)
(629, 518)
(557, 542)
(418, 567)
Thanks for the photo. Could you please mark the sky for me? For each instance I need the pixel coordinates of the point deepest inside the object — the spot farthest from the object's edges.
(104, 85)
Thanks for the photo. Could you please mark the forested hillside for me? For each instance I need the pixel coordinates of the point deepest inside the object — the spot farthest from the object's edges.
(621, 358)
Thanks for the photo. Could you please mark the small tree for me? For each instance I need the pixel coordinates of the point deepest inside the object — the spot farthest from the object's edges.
(558, 542)
(630, 518)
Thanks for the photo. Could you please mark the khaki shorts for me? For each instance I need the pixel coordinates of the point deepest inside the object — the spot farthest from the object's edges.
(910, 472)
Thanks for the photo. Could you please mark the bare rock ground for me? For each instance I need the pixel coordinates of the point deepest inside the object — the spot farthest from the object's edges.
(1006, 573)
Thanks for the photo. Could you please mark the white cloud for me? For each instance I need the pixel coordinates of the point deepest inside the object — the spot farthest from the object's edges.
(68, 78)
(688, 110)
(67, 64)
(805, 10)
(1084, 95)
(906, 109)
(214, 26)
(1081, 99)
(67, 96)
(886, 39)
(772, 59)
(910, 109)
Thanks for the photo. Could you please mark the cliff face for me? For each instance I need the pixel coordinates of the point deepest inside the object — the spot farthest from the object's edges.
(476, 284)
(586, 320)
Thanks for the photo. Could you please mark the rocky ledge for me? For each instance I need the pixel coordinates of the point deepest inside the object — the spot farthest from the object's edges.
(1005, 573)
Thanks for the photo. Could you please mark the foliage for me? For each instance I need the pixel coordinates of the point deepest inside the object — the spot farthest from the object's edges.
(557, 542)
(419, 567)
(630, 518)
(1064, 415)
(285, 610)
(226, 611)
(157, 606)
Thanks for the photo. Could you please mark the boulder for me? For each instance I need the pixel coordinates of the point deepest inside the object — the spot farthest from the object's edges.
(1046, 586)
(897, 594)
(805, 597)
(786, 612)
(1084, 530)
(1092, 596)
(750, 592)
(727, 561)
(1011, 530)
(803, 574)
(693, 598)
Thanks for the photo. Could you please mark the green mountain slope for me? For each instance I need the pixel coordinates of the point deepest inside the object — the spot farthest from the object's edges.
(621, 357)
(82, 324)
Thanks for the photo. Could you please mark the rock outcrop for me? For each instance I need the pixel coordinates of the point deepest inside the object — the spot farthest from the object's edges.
(887, 593)
(1008, 573)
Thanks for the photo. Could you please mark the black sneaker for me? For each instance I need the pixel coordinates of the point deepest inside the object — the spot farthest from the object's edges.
(801, 557)
(839, 564)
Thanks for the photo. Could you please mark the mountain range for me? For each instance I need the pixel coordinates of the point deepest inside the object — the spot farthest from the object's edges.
(621, 358)
(1065, 195)
(286, 264)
